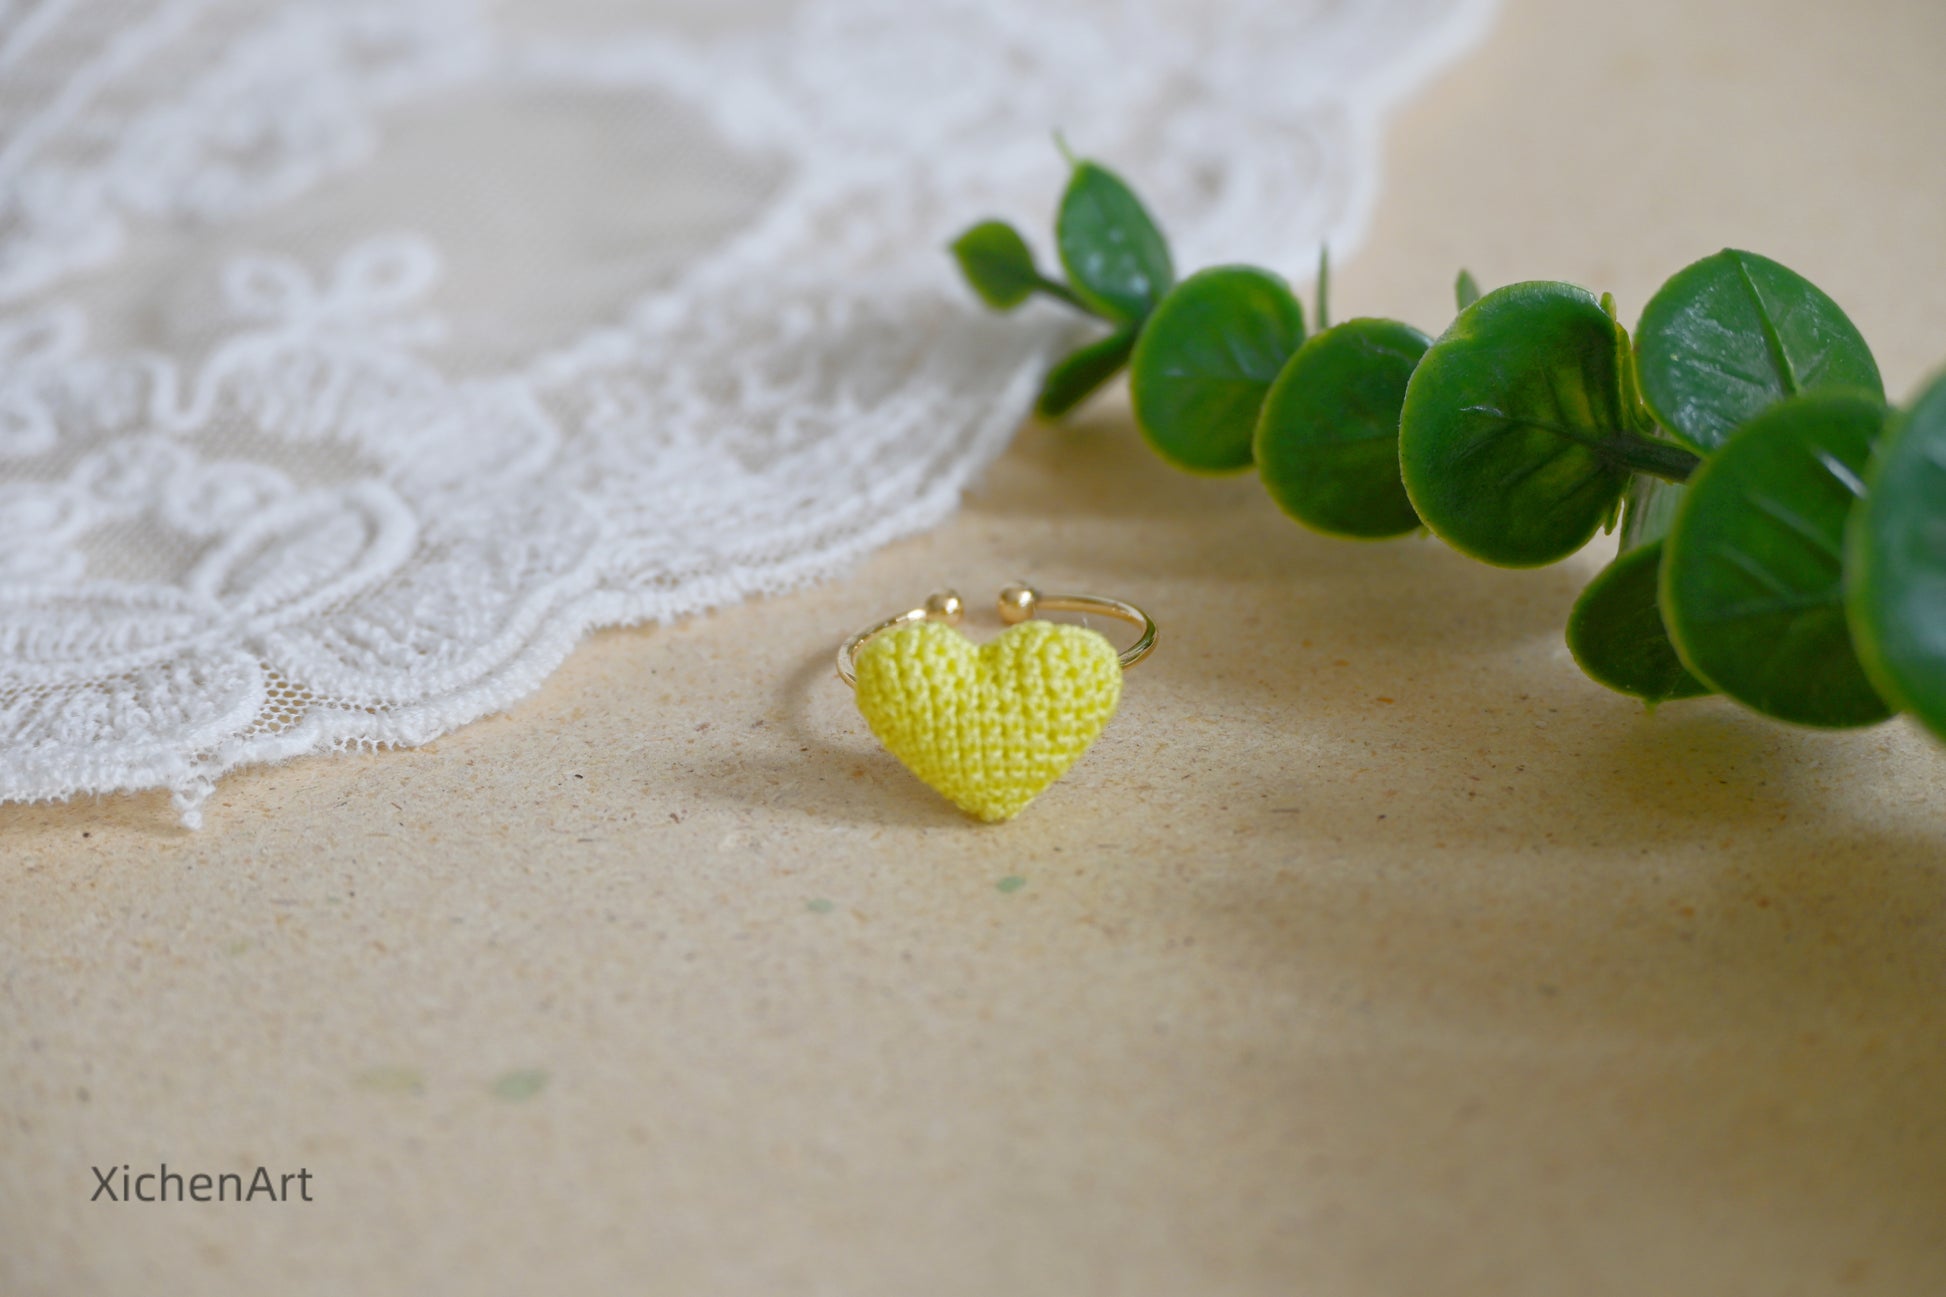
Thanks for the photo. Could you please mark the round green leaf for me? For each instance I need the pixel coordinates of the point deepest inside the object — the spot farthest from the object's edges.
(997, 263)
(1896, 563)
(1753, 581)
(1117, 260)
(1206, 357)
(1736, 333)
(1515, 444)
(1327, 442)
(1616, 632)
(1617, 636)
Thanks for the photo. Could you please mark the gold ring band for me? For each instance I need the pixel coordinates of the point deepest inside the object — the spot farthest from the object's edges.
(1018, 603)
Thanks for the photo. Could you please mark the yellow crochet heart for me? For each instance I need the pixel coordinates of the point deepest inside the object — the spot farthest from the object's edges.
(993, 726)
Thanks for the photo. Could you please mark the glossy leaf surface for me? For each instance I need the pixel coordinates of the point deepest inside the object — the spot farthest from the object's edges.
(1116, 259)
(1736, 333)
(1206, 358)
(1081, 373)
(1753, 581)
(1896, 563)
(1616, 632)
(1512, 439)
(1327, 442)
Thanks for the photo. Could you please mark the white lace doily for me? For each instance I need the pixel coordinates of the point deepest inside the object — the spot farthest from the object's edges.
(358, 356)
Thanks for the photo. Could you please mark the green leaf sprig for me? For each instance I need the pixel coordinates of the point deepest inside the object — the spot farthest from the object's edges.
(1783, 533)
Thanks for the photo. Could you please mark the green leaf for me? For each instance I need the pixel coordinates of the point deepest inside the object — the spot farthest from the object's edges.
(1117, 260)
(1204, 361)
(1895, 563)
(998, 264)
(1617, 636)
(1616, 632)
(1752, 577)
(1082, 372)
(1736, 333)
(1327, 443)
(1466, 289)
(1515, 441)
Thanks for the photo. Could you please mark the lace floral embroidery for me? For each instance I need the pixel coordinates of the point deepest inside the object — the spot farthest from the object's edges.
(308, 521)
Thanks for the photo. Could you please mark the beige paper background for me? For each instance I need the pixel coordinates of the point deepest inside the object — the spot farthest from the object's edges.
(1372, 951)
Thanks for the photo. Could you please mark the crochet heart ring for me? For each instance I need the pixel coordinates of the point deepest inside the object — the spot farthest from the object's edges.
(991, 727)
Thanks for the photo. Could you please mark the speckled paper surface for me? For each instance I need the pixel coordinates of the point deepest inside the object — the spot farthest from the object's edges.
(1373, 950)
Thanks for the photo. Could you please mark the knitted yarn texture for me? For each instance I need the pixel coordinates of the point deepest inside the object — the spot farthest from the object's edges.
(990, 727)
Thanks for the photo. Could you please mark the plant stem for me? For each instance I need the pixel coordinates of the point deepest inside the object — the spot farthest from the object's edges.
(1324, 287)
(1656, 458)
(1056, 289)
(1649, 512)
